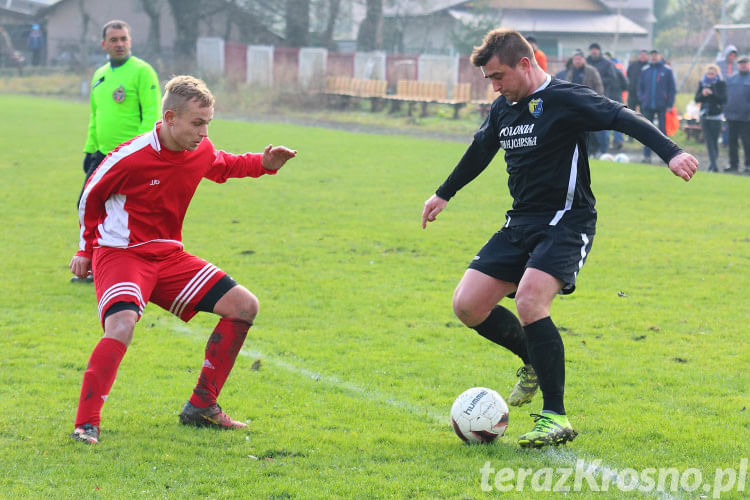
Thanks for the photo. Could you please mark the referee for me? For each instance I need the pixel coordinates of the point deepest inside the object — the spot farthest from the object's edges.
(125, 99)
(541, 123)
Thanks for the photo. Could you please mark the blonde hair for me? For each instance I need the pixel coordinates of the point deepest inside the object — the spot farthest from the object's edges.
(713, 67)
(182, 89)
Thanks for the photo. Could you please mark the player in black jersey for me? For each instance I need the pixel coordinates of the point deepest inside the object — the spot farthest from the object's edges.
(541, 123)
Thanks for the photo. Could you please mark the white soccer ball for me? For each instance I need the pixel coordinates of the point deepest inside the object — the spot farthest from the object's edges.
(622, 158)
(479, 415)
(607, 157)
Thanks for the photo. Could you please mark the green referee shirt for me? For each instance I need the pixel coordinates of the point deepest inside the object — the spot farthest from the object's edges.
(125, 102)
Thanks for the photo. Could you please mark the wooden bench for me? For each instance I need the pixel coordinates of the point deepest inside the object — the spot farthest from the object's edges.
(692, 130)
(373, 91)
(461, 96)
(485, 104)
(343, 89)
(415, 92)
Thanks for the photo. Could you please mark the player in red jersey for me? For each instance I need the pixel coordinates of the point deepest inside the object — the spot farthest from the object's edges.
(131, 214)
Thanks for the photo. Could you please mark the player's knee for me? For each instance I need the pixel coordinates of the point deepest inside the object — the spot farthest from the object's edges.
(249, 308)
(120, 326)
(464, 309)
(529, 308)
(246, 305)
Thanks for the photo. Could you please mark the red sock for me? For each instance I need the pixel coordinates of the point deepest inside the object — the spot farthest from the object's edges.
(98, 379)
(221, 351)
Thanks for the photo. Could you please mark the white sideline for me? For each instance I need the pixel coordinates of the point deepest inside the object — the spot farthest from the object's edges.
(564, 457)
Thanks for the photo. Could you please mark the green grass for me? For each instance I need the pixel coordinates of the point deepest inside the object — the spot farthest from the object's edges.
(361, 356)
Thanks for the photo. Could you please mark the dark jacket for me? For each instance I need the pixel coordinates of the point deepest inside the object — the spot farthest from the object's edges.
(591, 77)
(738, 97)
(634, 75)
(712, 104)
(656, 88)
(610, 79)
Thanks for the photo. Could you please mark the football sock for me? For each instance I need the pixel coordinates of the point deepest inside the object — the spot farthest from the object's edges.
(545, 347)
(98, 379)
(503, 328)
(221, 351)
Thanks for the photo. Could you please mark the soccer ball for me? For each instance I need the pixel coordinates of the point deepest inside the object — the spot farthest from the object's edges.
(607, 157)
(622, 158)
(479, 415)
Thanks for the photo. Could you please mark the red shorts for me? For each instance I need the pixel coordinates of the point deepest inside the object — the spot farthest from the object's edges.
(161, 273)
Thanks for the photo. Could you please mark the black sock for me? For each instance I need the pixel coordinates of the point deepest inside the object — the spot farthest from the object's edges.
(503, 328)
(545, 347)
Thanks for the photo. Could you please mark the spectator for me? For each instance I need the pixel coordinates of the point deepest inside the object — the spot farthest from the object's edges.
(612, 87)
(656, 93)
(125, 100)
(541, 58)
(728, 62)
(618, 139)
(634, 75)
(35, 44)
(711, 94)
(577, 71)
(737, 113)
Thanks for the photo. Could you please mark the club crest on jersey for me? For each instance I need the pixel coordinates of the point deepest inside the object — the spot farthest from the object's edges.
(119, 94)
(536, 108)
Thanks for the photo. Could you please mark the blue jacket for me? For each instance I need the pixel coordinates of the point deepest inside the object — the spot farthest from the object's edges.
(738, 97)
(656, 88)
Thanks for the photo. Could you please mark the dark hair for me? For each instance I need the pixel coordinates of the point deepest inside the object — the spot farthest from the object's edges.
(116, 24)
(595, 46)
(531, 39)
(508, 45)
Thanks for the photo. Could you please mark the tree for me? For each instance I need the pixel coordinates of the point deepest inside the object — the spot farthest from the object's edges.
(370, 34)
(152, 8)
(186, 14)
(467, 34)
(297, 22)
(333, 14)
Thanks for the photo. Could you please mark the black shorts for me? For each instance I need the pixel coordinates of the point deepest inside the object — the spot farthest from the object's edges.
(556, 250)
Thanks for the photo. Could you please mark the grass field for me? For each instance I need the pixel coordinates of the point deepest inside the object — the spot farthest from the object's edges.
(360, 354)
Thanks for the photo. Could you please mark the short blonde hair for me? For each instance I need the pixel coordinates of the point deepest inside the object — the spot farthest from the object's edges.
(182, 89)
(713, 67)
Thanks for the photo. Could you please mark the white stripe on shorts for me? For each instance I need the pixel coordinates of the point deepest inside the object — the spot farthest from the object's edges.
(192, 288)
(123, 288)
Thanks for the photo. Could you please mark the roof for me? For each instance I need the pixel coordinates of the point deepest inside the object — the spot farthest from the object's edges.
(578, 5)
(562, 22)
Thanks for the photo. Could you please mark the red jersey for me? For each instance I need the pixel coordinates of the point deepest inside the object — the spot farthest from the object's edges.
(139, 194)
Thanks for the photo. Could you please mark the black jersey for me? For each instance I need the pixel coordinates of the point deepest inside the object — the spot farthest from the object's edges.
(544, 138)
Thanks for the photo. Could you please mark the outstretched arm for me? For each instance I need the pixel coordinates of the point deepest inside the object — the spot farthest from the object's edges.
(681, 164)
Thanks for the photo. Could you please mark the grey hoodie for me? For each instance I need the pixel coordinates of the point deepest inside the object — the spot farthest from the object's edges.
(723, 64)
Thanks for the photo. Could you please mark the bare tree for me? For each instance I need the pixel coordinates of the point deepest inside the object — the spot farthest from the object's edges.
(333, 14)
(370, 35)
(297, 22)
(152, 8)
(186, 14)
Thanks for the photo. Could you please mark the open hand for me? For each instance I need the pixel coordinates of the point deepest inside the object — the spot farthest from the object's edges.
(275, 157)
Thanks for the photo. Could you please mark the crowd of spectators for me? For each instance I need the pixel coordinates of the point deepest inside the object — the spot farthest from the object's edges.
(647, 84)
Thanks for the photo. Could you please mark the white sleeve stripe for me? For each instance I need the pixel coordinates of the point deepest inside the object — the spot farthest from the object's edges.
(571, 189)
(192, 288)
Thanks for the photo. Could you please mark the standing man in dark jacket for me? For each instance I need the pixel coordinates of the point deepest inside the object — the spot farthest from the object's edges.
(656, 93)
(737, 113)
(612, 87)
(634, 76)
(711, 94)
